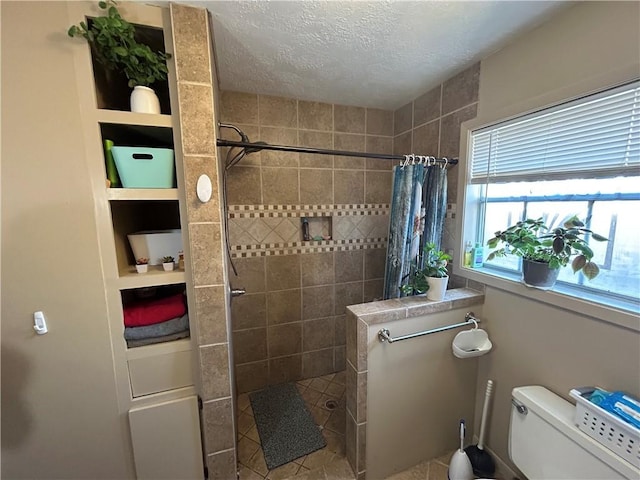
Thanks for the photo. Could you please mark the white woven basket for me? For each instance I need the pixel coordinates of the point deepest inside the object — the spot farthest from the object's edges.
(607, 429)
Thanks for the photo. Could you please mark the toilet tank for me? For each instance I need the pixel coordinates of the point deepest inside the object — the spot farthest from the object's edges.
(545, 444)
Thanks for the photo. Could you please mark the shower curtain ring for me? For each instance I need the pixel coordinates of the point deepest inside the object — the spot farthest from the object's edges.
(404, 162)
(413, 159)
(446, 162)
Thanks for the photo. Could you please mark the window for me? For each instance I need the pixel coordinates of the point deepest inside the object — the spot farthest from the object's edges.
(582, 158)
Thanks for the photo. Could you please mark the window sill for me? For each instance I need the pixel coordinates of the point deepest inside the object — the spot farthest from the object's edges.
(556, 297)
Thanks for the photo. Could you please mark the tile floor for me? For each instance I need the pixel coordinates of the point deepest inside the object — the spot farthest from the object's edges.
(435, 469)
(328, 463)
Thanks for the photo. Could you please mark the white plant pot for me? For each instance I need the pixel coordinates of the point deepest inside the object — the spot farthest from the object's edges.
(142, 268)
(167, 266)
(437, 288)
(144, 100)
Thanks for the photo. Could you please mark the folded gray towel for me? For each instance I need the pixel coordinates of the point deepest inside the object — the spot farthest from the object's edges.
(150, 341)
(161, 329)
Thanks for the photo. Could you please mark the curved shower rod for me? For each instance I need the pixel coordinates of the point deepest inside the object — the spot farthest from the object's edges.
(257, 146)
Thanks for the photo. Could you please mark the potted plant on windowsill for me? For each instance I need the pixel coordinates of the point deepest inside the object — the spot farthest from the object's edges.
(112, 39)
(142, 265)
(432, 278)
(544, 250)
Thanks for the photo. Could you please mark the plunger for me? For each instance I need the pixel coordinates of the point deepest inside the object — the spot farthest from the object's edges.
(481, 461)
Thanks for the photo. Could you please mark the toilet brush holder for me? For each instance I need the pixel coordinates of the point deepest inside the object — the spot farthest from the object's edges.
(460, 466)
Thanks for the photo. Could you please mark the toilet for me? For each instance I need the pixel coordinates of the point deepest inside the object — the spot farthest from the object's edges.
(544, 442)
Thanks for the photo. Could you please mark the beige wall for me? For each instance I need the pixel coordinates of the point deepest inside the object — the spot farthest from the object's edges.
(587, 47)
(537, 344)
(404, 400)
(417, 393)
(59, 406)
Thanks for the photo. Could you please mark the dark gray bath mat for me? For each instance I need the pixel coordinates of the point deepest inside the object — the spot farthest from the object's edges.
(286, 428)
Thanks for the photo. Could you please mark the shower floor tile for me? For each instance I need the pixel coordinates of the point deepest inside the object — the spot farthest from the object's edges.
(325, 399)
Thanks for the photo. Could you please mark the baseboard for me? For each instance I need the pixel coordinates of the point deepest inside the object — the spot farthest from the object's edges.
(503, 470)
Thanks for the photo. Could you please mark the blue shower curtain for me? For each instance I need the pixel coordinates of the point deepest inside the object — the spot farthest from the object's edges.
(418, 207)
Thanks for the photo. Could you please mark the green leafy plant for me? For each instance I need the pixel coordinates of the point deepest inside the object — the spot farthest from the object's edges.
(434, 263)
(168, 259)
(112, 38)
(142, 261)
(533, 240)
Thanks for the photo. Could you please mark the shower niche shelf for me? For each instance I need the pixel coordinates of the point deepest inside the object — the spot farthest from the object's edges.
(319, 228)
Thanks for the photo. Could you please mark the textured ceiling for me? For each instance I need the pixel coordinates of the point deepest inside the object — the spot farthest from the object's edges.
(376, 54)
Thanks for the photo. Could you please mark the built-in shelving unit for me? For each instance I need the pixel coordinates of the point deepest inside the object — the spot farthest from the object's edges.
(115, 194)
(132, 210)
(118, 117)
(155, 276)
(181, 345)
(155, 380)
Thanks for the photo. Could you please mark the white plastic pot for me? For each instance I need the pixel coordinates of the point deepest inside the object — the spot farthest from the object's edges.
(437, 288)
(168, 266)
(144, 100)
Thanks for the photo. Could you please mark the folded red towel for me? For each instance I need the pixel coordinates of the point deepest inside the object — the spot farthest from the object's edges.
(154, 311)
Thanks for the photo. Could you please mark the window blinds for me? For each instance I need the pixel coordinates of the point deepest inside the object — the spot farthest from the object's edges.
(595, 136)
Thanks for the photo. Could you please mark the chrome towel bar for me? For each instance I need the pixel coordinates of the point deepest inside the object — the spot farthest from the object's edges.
(469, 319)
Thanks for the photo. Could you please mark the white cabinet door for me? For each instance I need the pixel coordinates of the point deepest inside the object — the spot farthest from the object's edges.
(166, 440)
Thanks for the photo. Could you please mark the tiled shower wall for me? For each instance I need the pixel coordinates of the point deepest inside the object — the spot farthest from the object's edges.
(207, 301)
(430, 125)
(291, 322)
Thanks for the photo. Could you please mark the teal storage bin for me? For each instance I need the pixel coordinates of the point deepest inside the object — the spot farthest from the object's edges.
(141, 167)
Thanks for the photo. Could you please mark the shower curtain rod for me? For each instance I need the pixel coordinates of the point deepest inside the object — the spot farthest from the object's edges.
(321, 151)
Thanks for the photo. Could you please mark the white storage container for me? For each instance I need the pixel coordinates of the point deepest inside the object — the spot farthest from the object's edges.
(604, 427)
(155, 244)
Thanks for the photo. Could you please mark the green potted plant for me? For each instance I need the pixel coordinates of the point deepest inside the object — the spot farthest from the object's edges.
(142, 265)
(168, 263)
(432, 277)
(544, 250)
(112, 39)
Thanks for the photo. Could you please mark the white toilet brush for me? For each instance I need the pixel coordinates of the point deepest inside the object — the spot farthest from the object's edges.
(460, 466)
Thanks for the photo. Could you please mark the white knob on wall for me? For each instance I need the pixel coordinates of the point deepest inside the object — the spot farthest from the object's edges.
(204, 188)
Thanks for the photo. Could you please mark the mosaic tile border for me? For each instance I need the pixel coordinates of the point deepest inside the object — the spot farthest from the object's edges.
(274, 211)
(293, 248)
(451, 210)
